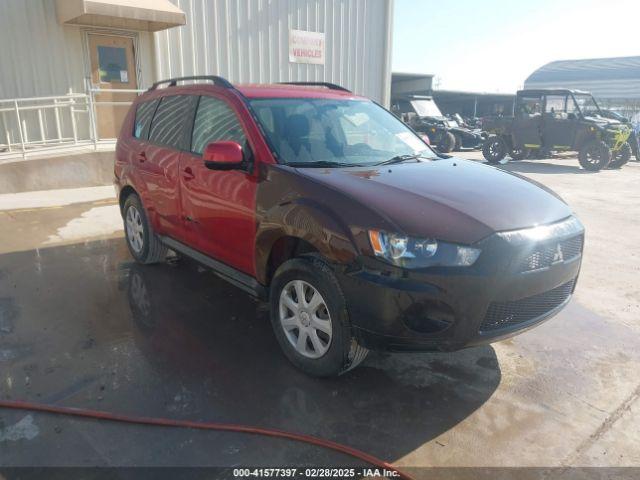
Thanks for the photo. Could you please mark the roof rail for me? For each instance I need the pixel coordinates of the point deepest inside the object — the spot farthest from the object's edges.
(217, 81)
(330, 86)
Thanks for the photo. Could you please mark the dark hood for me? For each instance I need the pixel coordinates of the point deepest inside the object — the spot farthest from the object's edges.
(452, 200)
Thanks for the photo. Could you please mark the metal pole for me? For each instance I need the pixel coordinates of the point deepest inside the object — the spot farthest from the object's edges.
(74, 128)
(15, 106)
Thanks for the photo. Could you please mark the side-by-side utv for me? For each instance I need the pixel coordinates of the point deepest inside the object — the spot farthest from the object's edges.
(547, 120)
(423, 115)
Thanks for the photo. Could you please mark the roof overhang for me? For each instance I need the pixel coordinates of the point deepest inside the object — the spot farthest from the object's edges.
(142, 15)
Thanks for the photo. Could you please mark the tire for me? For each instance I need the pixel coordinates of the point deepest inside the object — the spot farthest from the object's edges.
(144, 245)
(494, 149)
(519, 153)
(621, 157)
(447, 142)
(458, 143)
(594, 155)
(337, 350)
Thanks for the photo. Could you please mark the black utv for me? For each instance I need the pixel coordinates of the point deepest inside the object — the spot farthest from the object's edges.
(547, 120)
(423, 115)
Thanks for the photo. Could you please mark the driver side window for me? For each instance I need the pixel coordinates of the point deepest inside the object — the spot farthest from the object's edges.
(215, 122)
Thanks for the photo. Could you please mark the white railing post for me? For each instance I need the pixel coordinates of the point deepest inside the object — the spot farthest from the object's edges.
(17, 110)
(56, 113)
(92, 114)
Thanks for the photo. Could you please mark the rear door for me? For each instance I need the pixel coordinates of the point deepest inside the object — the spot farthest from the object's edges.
(527, 123)
(219, 205)
(158, 162)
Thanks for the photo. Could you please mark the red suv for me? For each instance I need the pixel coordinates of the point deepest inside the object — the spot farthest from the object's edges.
(327, 206)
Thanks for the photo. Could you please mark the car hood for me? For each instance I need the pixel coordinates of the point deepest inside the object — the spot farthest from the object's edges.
(451, 199)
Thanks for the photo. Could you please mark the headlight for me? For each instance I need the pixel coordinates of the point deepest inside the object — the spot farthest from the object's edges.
(412, 252)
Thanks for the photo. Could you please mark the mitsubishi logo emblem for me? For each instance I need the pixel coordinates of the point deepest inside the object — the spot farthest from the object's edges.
(557, 255)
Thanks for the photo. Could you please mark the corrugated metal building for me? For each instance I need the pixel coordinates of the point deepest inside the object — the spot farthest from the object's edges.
(615, 82)
(56, 47)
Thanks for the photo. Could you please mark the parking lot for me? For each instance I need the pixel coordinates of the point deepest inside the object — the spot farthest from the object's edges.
(82, 325)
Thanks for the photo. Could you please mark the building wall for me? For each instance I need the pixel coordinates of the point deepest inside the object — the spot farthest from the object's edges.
(246, 41)
(40, 57)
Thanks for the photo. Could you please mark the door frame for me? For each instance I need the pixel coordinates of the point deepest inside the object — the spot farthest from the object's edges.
(86, 53)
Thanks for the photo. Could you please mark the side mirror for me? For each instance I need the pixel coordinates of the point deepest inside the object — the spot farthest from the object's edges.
(223, 155)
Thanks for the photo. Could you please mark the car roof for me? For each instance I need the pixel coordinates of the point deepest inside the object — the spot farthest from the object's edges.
(551, 91)
(274, 90)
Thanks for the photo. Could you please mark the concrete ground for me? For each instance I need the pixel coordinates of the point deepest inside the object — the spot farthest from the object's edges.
(82, 325)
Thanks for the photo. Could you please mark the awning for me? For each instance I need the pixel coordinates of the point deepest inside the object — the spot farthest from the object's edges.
(144, 15)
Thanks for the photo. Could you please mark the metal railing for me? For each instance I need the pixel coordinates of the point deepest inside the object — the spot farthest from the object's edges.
(35, 124)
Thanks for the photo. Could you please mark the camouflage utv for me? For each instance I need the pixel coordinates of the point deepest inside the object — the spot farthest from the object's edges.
(547, 120)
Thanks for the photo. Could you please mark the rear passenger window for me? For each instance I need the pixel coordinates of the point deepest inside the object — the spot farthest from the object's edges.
(169, 120)
(144, 112)
(215, 121)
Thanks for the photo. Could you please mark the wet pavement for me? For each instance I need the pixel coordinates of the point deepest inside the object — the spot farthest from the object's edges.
(82, 325)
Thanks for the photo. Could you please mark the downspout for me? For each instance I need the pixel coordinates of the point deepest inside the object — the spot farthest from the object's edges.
(386, 81)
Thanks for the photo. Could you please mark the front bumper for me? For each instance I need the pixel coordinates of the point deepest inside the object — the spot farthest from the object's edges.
(513, 286)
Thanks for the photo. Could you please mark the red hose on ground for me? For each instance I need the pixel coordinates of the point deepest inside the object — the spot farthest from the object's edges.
(225, 427)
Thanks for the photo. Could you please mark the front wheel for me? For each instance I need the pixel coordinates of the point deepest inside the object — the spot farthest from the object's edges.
(622, 156)
(310, 319)
(594, 155)
(494, 149)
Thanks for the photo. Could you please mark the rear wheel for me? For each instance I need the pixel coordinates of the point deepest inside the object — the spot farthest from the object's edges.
(494, 149)
(458, 144)
(447, 142)
(594, 155)
(143, 243)
(621, 157)
(310, 319)
(519, 153)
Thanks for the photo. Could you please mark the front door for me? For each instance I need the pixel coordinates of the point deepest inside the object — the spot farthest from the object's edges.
(112, 68)
(527, 124)
(218, 206)
(558, 124)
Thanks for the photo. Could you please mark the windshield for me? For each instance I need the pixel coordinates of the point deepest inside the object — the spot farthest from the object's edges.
(344, 132)
(587, 104)
(426, 108)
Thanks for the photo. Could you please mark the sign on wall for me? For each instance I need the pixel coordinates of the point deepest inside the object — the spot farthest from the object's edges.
(306, 47)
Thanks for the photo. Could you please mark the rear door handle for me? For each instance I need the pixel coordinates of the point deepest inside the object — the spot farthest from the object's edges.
(142, 157)
(188, 174)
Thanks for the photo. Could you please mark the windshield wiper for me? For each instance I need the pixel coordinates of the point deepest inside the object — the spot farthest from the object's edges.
(401, 158)
(320, 164)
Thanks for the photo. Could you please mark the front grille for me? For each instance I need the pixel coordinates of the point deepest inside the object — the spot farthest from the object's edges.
(549, 253)
(507, 314)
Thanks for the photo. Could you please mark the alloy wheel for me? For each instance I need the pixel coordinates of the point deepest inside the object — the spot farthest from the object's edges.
(135, 229)
(305, 319)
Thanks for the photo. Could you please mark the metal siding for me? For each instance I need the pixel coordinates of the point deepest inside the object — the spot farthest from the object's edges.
(246, 41)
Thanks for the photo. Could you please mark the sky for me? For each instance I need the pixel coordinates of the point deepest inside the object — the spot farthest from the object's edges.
(493, 45)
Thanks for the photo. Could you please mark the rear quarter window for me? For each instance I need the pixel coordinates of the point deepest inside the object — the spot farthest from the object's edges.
(144, 114)
(167, 127)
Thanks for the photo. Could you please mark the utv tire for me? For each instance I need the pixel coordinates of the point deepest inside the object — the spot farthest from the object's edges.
(621, 157)
(144, 245)
(447, 142)
(594, 155)
(519, 153)
(494, 149)
(306, 300)
(458, 143)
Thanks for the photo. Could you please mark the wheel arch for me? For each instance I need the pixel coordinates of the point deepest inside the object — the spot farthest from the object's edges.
(290, 230)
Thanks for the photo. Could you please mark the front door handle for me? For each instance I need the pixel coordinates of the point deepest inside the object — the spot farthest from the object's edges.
(188, 174)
